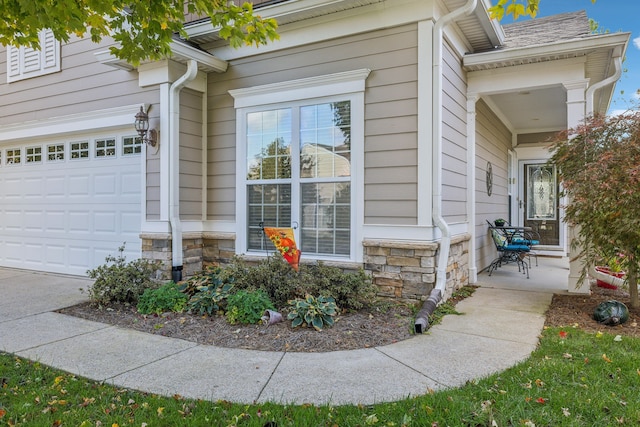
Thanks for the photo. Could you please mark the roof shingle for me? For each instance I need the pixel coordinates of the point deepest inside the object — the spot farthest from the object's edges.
(564, 26)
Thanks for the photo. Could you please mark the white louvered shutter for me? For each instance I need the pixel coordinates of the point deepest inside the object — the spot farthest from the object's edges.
(26, 62)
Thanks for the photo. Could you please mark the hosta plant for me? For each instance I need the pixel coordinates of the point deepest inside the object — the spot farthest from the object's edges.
(312, 311)
(209, 299)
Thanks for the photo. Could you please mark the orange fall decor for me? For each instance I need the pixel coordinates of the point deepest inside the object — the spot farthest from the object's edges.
(285, 243)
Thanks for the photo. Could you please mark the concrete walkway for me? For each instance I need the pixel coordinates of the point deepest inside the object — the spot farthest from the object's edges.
(499, 328)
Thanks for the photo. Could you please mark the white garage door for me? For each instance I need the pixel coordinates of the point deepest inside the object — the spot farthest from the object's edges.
(65, 205)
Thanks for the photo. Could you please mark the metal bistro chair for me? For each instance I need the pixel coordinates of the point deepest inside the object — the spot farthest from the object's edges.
(521, 236)
(508, 252)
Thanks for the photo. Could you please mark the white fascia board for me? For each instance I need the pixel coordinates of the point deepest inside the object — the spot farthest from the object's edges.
(203, 58)
(81, 122)
(559, 49)
(274, 11)
(526, 76)
(334, 26)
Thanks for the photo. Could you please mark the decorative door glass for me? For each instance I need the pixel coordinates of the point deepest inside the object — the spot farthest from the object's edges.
(541, 192)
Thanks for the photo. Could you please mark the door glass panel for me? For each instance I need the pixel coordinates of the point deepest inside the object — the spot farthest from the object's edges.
(541, 192)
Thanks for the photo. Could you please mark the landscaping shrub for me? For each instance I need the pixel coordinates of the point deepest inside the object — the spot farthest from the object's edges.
(210, 276)
(352, 291)
(165, 298)
(120, 281)
(247, 306)
(274, 276)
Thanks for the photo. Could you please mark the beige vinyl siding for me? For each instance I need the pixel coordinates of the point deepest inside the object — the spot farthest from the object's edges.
(191, 155)
(82, 85)
(390, 116)
(454, 138)
(493, 141)
(153, 184)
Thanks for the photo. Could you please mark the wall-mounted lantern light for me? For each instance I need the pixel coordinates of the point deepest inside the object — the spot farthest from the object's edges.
(148, 136)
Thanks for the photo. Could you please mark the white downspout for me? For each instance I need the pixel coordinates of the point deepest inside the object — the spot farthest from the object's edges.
(174, 168)
(617, 61)
(445, 243)
(422, 318)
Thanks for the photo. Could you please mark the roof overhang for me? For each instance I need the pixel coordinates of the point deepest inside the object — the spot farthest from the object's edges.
(202, 31)
(181, 52)
(478, 28)
(500, 58)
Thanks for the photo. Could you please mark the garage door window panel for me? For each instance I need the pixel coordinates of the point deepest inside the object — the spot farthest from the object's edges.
(55, 152)
(33, 155)
(105, 147)
(131, 145)
(79, 150)
(14, 156)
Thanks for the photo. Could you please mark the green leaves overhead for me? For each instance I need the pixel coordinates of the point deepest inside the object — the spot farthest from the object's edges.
(516, 8)
(144, 29)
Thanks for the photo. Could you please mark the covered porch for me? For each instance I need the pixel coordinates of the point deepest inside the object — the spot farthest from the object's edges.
(544, 79)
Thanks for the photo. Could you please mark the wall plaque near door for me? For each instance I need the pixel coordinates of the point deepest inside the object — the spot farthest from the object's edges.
(489, 179)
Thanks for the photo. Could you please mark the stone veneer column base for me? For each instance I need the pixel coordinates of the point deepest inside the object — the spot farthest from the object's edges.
(406, 270)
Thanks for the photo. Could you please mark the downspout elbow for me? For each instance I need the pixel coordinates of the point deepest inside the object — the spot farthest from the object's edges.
(617, 62)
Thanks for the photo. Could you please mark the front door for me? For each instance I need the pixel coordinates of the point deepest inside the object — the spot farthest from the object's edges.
(540, 202)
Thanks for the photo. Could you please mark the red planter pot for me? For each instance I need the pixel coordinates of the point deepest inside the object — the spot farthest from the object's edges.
(605, 278)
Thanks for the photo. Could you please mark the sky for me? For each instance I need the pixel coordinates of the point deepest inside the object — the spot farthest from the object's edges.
(615, 16)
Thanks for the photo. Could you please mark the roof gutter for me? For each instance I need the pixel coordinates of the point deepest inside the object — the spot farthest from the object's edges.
(528, 54)
(437, 293)
(174, 168)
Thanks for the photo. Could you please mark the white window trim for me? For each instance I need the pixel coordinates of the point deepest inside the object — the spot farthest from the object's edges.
(349, 85)
(25, 62)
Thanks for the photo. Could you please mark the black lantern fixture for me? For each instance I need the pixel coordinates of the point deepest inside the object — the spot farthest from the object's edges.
(148, 136)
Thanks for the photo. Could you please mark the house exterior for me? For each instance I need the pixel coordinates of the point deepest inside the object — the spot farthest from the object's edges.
(386, 132)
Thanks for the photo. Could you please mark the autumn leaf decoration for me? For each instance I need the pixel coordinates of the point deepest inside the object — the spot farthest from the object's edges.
(285, 243)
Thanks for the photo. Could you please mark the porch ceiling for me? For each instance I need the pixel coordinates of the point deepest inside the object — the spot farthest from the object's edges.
(535, 108)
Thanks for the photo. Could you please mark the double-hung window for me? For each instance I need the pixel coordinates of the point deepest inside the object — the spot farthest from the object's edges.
(300, 164)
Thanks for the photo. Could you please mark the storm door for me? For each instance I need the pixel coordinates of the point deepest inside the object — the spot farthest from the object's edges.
(540, 202)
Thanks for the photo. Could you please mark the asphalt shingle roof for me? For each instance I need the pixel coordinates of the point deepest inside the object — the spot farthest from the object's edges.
(564, 26)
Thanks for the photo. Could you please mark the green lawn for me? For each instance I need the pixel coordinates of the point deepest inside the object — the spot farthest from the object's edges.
(572, 379)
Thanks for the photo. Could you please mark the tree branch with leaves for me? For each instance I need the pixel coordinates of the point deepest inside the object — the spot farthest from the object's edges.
(144, 29)
(516, 8)
(599, 164)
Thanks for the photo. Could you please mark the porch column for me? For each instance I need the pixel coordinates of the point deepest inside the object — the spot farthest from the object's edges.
(576, 104)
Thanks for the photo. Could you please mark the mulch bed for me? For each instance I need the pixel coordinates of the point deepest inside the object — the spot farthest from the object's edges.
(367, 328)
(577, 311)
